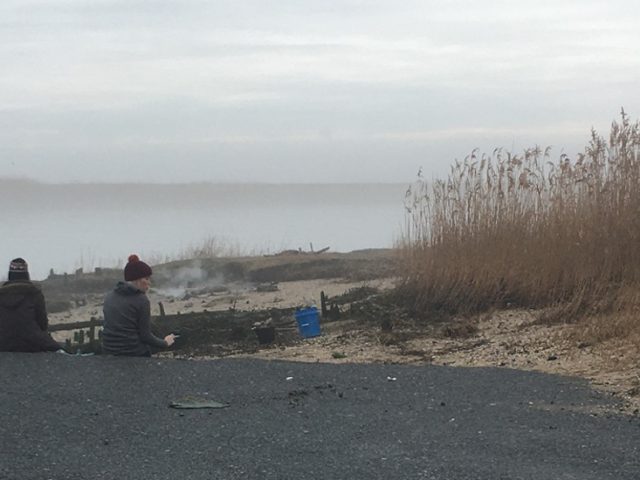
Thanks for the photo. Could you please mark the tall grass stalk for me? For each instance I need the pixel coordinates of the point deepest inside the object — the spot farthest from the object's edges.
(528, 231)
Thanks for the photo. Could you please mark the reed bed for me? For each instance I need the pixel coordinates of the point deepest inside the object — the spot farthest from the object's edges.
(527, 231)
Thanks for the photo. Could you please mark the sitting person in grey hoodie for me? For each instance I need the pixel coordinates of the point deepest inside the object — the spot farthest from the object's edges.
(23, 314)
(127, 315)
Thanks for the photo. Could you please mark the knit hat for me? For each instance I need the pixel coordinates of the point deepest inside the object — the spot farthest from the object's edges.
(18, 269)
(136, 269)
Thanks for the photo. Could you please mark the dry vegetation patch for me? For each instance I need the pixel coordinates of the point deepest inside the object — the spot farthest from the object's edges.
(527, 231)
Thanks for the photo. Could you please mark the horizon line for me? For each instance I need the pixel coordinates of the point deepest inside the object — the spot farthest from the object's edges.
(32, 181)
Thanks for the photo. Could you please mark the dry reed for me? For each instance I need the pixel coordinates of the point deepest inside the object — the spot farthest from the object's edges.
(526, 231)
(209, 247)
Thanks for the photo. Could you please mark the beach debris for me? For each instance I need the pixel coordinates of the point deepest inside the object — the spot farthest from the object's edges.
(296, 397)
(392, 379)
(196, 403)
(299, 251)
(263, 323)
(267, 287)
(64, 352)
(265, 331)
(288, 379)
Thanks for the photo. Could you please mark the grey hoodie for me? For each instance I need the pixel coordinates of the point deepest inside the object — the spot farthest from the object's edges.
(127, 323)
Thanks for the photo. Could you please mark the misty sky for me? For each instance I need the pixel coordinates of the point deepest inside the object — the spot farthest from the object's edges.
(300, 90)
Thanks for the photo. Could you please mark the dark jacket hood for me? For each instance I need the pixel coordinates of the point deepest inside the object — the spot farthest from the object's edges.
(125, 288)
(12, 294)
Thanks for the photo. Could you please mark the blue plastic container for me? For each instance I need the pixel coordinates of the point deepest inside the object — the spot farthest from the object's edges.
(308, 322)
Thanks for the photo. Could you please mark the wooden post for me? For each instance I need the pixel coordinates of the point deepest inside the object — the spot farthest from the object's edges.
(92, 330)
(161, 309)
(323, 303)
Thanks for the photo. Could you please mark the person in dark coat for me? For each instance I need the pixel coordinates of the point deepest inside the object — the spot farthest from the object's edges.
(127, 315)
(23, 313)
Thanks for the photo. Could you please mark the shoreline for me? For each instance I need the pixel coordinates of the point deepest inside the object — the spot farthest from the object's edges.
(503, 339)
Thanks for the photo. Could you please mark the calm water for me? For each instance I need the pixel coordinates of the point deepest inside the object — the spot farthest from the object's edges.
(65, 227)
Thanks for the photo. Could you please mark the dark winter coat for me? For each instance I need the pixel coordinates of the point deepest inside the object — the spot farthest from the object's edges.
(127, 323)
(23, 319)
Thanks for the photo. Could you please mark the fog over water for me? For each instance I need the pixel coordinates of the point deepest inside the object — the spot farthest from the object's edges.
(69, 226)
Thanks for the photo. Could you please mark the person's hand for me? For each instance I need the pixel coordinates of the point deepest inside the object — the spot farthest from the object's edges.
(170, 339)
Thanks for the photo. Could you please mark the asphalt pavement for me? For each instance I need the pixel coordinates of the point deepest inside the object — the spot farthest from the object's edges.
(69, 417)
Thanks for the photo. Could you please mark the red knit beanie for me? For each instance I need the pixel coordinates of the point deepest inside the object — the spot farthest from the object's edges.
(136, 269)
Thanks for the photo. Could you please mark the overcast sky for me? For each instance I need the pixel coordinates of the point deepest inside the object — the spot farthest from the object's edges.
(301, 90)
